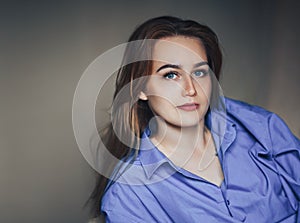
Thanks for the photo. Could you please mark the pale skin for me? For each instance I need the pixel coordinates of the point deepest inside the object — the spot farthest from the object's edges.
(178, 92)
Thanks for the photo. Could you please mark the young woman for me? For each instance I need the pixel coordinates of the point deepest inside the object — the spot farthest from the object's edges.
(188, 154)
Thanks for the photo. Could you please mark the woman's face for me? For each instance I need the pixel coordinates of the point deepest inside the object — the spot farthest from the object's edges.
(179, 87)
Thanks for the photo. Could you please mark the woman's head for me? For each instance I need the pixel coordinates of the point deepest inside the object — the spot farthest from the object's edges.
(138, 114)
(179, 87)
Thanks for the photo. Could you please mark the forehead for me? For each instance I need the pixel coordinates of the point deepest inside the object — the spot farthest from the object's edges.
(179, 50)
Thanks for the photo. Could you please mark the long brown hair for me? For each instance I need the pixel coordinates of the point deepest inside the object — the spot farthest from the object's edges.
(133, 119)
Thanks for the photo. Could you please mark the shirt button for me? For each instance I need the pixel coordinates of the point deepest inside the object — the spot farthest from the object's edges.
(228, 202)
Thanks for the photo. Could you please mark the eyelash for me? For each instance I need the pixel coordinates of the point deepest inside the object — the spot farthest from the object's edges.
(169, 73)
(204, 73)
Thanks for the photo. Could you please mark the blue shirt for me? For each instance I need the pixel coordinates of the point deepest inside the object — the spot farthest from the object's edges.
(260, 159)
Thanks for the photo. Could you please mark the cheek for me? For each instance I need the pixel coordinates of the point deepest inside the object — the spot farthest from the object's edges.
(160, 103)
(164, 92)
(204, 88)
(207, 90)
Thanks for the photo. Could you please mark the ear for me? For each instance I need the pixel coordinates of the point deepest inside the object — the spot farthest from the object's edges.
(143, 96)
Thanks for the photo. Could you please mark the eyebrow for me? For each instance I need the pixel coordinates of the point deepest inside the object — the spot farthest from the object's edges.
(175, 66)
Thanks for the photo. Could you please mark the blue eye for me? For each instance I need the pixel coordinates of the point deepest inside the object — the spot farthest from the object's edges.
(200, 73)
(171, 75)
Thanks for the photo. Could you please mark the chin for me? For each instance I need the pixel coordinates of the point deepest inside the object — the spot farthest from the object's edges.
(188, 123)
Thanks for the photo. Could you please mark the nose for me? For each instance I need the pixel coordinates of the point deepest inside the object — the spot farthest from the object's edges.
(189, 88)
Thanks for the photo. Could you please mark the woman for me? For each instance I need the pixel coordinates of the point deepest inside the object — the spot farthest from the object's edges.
(186, 153)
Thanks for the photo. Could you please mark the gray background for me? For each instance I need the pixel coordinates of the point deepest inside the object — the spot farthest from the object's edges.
(47, 45)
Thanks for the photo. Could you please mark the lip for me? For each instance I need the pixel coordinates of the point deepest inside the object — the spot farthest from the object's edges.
(189, 106)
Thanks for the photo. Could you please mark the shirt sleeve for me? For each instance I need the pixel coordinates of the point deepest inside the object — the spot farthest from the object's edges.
(120, 204)
(286, 154)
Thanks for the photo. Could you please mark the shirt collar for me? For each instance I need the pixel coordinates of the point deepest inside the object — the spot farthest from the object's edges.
(251, 118)
(221, 127)
(224, 123)
(150, 157)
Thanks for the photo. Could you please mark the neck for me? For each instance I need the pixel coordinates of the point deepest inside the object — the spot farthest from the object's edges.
(180, 143)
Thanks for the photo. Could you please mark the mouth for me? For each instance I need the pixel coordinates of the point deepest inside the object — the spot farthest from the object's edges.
(189, 106)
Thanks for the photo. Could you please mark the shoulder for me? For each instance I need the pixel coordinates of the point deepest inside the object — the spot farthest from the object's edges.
(118, 200)
(250, 115)
(245, 112)
(264, 125)
(239, 109)
(125, 187)
(124, 201)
